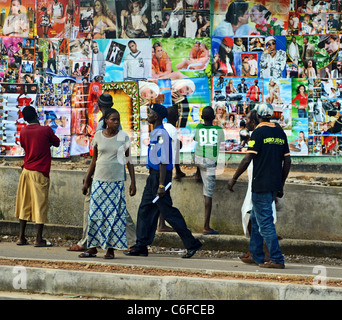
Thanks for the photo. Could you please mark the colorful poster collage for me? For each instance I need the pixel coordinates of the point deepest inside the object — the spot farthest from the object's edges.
(184, 54)
(286, 53)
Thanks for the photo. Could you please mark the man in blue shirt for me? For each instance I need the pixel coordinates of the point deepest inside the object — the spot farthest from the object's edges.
(160, 166)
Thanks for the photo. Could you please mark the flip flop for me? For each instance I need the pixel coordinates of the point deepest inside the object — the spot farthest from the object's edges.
(108, 256)
(22, 243)
(43, 244)
(87, 255)
(211, 232)
(76, 247)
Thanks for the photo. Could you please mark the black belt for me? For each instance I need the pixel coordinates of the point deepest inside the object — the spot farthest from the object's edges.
(154, 171)
(157, 171)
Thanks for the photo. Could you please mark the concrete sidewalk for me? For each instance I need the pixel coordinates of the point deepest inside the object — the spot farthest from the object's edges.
(223, 242)
(175, 278)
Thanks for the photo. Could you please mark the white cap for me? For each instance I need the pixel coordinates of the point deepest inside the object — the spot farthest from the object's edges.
(269, 39)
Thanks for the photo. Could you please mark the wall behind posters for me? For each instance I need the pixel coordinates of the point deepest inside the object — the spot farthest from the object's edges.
(60, 55)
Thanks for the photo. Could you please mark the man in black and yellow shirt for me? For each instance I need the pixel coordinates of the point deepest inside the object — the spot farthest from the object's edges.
(269, 150)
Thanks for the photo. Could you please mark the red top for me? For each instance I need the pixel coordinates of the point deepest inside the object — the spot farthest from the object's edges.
(303, 100)
(36, 141)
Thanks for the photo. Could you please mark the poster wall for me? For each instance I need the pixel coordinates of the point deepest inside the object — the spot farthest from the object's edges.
(60, 55)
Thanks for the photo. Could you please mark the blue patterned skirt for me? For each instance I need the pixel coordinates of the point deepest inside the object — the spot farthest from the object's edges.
(107, 215)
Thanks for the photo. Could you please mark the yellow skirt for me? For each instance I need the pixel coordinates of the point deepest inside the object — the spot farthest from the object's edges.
(32, 197)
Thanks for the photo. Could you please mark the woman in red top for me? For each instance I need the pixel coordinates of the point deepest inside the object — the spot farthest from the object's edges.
(223, 63)
(302, 98)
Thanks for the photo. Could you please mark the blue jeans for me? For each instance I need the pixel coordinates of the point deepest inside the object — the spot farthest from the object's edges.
(302, 113)
(263, 229)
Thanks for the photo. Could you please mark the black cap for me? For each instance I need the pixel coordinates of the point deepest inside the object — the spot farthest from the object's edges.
(323, 39)
(159, 109)
(105, 100)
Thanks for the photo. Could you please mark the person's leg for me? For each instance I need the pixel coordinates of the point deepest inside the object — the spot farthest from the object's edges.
(40, 194)
(130, 231)
(179, 173)
(207, 213)
(173, 216)
(39, 236)
(183, 65)
(162, 227)
(262, 202)
(198, 177)
(109, 254)
(23, 210)
(83, 242)
(22, 228)
(207, 171)
(256, 240)
(90, 253)
(148, 214)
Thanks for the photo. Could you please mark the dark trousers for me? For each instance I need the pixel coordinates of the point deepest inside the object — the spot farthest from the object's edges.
(148, 214)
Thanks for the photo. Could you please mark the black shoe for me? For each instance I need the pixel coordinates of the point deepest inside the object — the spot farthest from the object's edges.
(191, 252)
(137, 252)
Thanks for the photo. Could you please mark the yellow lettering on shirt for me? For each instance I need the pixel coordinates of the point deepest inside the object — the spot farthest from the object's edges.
(277, 141)
(251, 143)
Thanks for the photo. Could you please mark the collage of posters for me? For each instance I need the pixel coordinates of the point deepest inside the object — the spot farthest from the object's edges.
(184, 54)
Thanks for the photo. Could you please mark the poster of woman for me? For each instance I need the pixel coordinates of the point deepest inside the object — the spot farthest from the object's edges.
(134, 18)
(258, 17)
(298, 141)
(58, 18)
(18, 16)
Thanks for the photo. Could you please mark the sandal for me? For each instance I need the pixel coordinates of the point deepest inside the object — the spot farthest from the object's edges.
(212, 231)
(109, 254)
(88, 254)
(179, 176)
(22, 243)
(43, 244)
(76, 247)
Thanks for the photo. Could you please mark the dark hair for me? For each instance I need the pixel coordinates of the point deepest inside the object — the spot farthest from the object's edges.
(261, 8)
(301, 85)
(157, 44)
(107, 114)
(254, 116)
(236, 10)
(131, 41)
(29, 113)
(208, 113)
(172, 115)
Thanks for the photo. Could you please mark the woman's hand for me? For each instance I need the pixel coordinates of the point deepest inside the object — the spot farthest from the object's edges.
(85, 188)
(132, 190)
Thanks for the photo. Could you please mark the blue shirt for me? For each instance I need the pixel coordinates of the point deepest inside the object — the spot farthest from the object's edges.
(159, 149)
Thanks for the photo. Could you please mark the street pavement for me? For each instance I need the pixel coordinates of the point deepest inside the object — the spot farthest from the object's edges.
(194, 287)
(10, 250)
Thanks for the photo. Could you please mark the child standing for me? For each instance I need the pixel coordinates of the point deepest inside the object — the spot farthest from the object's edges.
(209, 138)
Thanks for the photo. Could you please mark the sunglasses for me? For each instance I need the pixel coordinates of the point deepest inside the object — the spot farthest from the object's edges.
(339, 65)
(271, 44)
